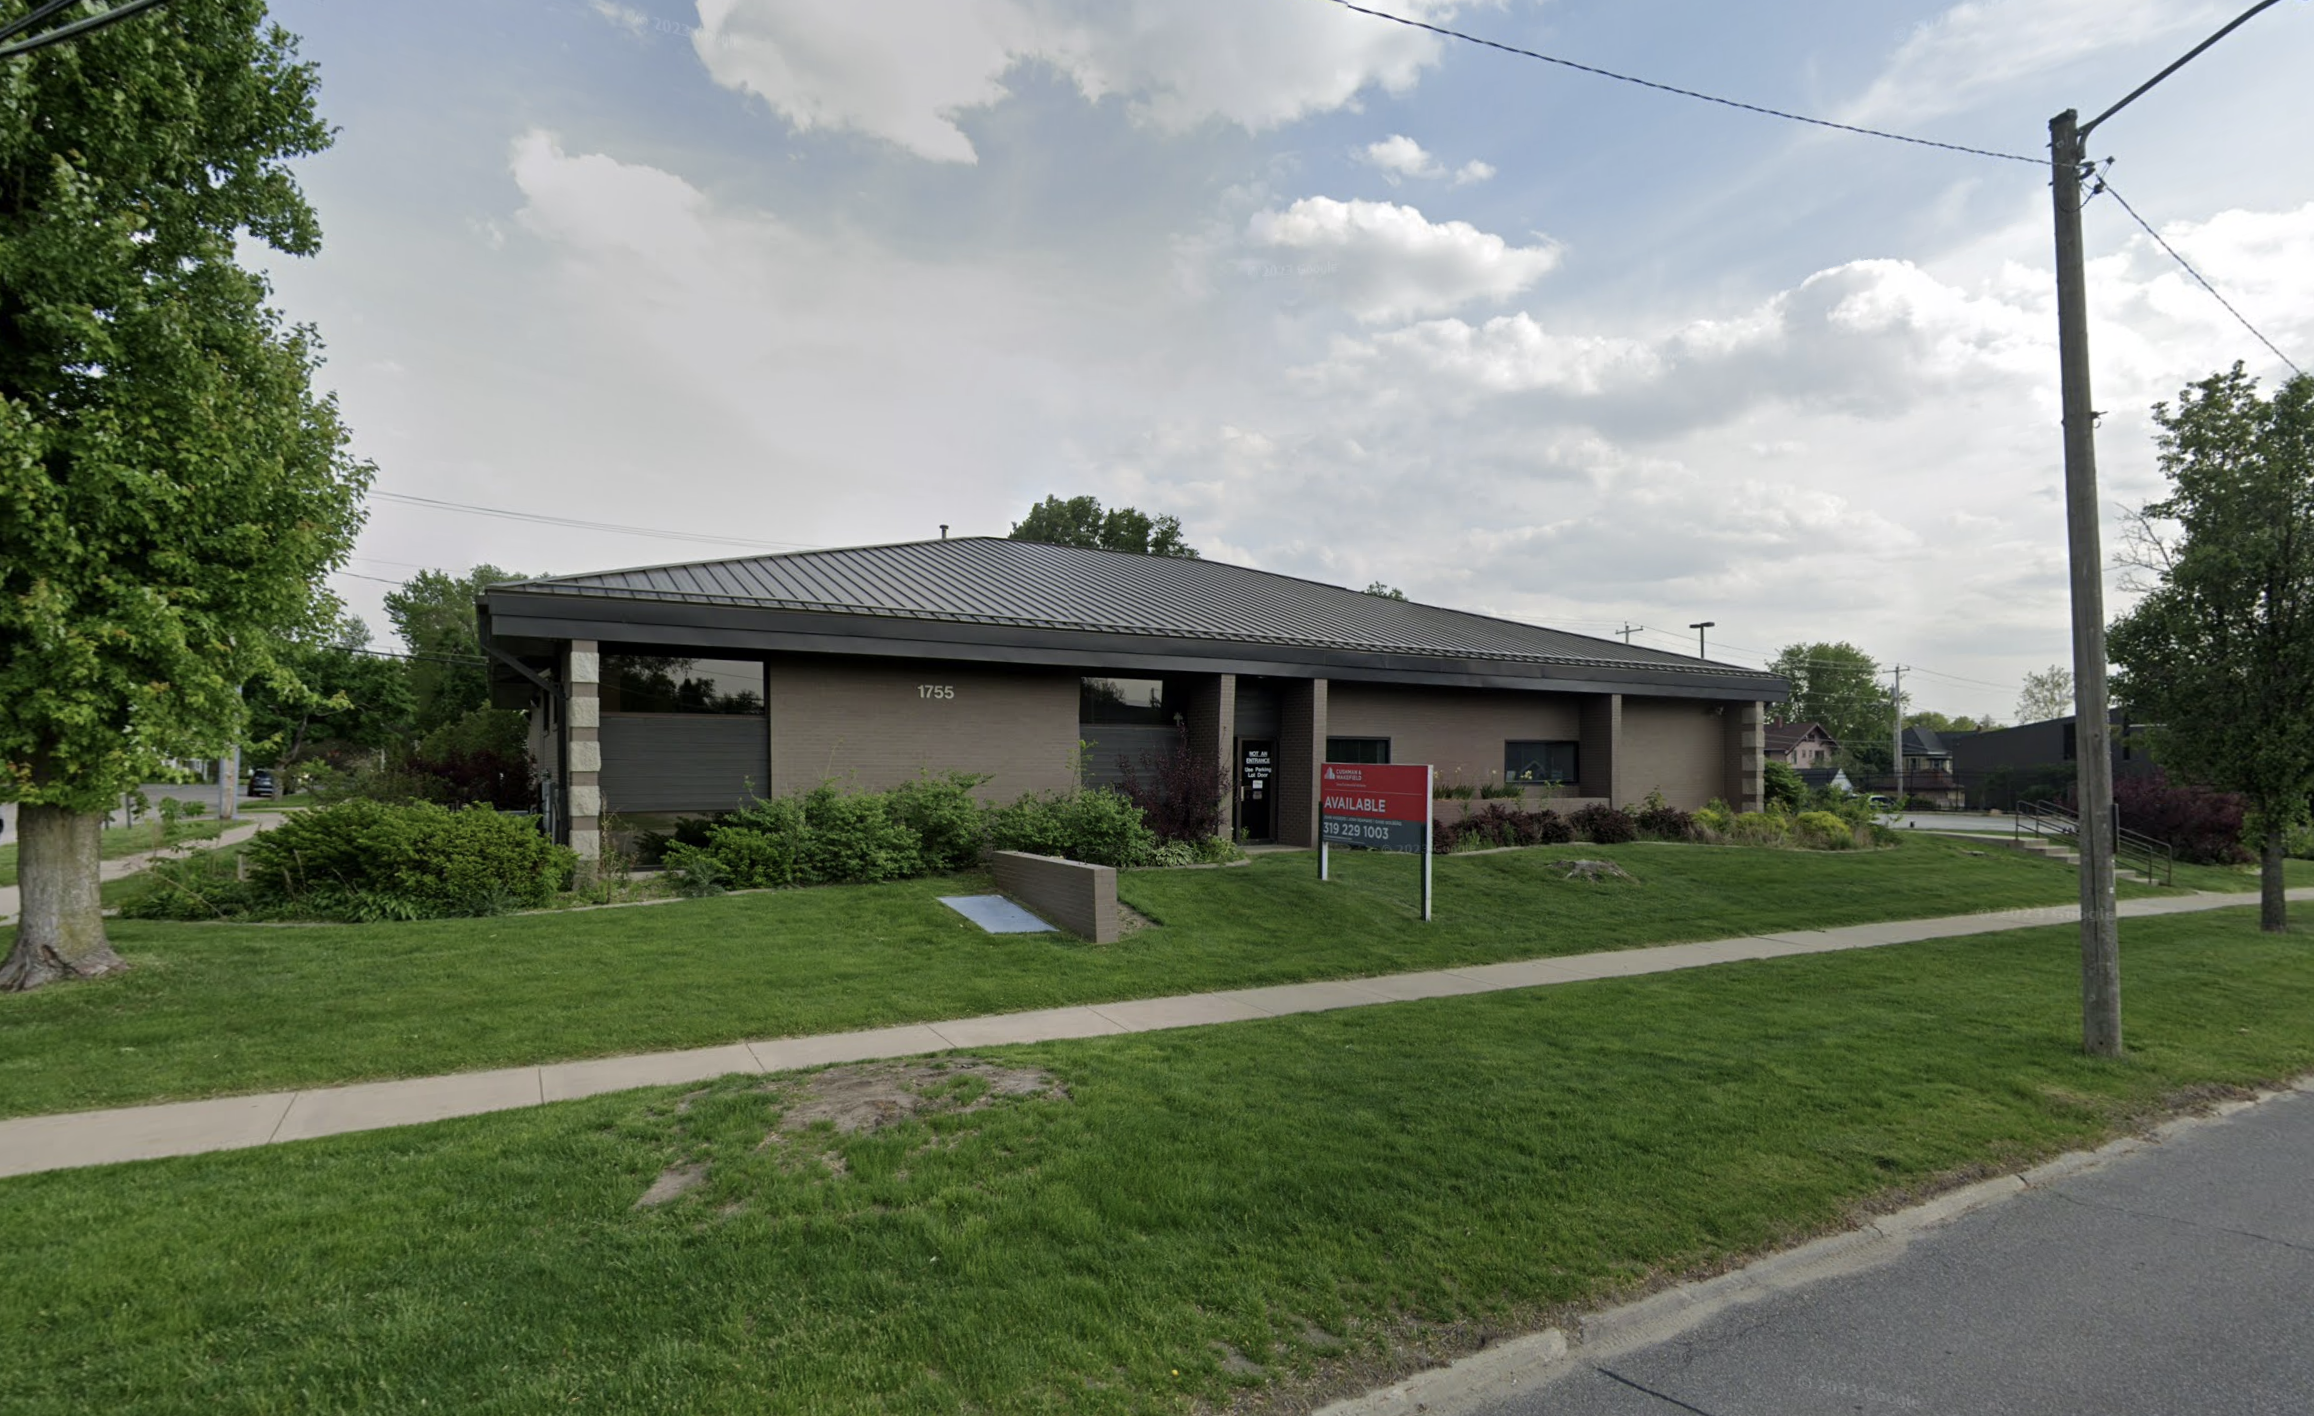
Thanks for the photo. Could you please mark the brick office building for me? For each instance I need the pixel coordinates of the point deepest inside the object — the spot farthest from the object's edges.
(681, 688)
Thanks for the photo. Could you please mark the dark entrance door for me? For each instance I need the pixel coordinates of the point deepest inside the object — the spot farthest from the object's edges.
(1256, 768)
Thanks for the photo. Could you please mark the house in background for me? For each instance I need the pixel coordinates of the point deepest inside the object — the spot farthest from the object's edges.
(1801, 744)
(1817, 779)
(1928, 770)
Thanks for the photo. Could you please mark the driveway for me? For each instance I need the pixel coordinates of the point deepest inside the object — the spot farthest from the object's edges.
(2179, 1278)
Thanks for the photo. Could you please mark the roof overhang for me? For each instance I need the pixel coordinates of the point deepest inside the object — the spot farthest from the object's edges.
(527, 623)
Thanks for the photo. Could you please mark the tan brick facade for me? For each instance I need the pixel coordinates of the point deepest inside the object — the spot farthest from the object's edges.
(582, 674)
(874, 724)
(1677, 746)
(1460, 731)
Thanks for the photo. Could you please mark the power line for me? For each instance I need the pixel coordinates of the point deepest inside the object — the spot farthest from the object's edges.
(2103, 183)
(64, 32)
(1688, 93)
(574, 523)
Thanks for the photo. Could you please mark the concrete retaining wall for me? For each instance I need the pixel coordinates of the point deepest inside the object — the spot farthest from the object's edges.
(1080, 898)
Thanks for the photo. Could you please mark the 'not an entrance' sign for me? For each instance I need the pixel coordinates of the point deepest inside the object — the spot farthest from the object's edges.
(1380, 807)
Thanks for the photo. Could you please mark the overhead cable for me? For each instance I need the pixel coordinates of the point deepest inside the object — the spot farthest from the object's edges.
(1689, 93)
(546, 520)
(2104, 184)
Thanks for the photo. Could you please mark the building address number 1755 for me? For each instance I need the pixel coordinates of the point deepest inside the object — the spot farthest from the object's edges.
(936, 690)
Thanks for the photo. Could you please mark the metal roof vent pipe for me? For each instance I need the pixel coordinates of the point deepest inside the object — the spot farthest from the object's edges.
(943, 530)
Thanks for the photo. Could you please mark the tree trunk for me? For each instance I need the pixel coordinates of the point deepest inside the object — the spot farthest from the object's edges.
(2273, 905)
(60, 928)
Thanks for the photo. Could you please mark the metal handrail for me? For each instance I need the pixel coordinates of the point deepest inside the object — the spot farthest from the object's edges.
(2049, 818)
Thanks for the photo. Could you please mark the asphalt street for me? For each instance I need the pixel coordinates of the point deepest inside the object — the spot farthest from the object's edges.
(2179, 1279)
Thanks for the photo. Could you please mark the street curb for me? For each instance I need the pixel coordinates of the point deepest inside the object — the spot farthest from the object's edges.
(1524, 1363)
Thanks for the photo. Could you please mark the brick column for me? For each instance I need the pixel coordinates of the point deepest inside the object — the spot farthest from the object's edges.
(1747, 739)
(1301, 747)
(582, 752)
(1210, 714)
(1601, 753)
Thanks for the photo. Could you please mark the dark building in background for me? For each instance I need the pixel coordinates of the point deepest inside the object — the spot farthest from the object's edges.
(2035, 761)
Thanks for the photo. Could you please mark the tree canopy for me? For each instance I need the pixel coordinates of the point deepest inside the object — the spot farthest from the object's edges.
(171, 487)
(1837, 685)
(433, 612)
(2218, 657)
(2047, 694)
(1080, 521)
(339, 696)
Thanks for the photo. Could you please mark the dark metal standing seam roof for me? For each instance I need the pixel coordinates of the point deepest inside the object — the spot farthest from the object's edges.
(995, 581)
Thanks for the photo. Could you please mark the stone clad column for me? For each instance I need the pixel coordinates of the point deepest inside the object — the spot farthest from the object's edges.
(1600, 755)
(1747, 756)
(1209, 712)
(582, 675)
(1301, 748)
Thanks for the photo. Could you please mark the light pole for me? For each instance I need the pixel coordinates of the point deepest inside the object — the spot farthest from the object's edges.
(2100, 927)
(1699, 629)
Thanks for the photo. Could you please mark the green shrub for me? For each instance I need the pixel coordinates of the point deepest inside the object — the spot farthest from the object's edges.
(1780, 781)
(1821, 830)
(695, 872)
(854, 838)
(1099, 826)
(364, 861)
(1713, 818)
(950, 826)
(1759, 828)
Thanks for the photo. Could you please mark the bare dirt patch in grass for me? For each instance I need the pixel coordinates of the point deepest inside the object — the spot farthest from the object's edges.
(673, 1183)
(871, 1097)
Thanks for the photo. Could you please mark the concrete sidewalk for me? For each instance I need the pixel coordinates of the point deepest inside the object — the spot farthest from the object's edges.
(127, 865)
(32, 1144)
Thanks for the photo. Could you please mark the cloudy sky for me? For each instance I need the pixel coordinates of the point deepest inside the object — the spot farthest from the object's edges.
(1354, 302)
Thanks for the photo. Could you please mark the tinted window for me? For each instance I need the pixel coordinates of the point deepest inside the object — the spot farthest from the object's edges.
(1376, 750)
(1122, 700)
(654, 683)
(1540, 762)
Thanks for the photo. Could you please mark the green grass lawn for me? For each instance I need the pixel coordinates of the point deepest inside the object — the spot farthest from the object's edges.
(214, 1009)
(117, 841)
(1300, 1204)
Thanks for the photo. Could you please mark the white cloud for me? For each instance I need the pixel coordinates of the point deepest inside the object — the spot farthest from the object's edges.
(905, 70)
(1398, 157)
(1980, 47)
(1383, 261)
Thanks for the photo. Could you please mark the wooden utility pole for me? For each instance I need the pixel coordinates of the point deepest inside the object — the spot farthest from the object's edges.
(1896, 733)
(2092, 760)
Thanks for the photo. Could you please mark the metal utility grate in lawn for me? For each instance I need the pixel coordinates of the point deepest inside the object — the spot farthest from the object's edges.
(996, 914)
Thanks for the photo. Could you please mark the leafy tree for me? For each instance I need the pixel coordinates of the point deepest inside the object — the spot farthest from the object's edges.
(1936, 722)
(433, 612)
(1838, 686)
(1387, 592)
(1080, 521)
(335, 696)
(2047, 694)
(1781, 785)
(2219, 655)
(171, 488)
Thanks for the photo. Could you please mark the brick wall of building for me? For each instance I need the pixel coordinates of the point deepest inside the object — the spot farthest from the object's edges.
(1677, 746)
(1460, 731)
(875, 723)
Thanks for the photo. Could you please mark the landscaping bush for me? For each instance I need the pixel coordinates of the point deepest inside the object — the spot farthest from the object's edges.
(1098, 826)
(1181, 792)
(1213, 850)
(948, 822)
(1604, 825)
(1759, 828)
(1781, 784)
(1821, 830)
(367, 860)
(1495, 825)
(1658, 820)
(1505, 790)
(2203, 827)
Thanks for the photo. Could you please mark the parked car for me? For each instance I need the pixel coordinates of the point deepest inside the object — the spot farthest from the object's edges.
(1881, 801)
(262, 784)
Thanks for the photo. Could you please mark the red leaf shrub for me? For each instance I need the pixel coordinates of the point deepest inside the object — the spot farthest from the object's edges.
(1180, 791)
(1604, 825)
(2203, 826)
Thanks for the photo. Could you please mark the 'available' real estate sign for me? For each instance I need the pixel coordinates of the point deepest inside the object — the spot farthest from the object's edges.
(1383, 808)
